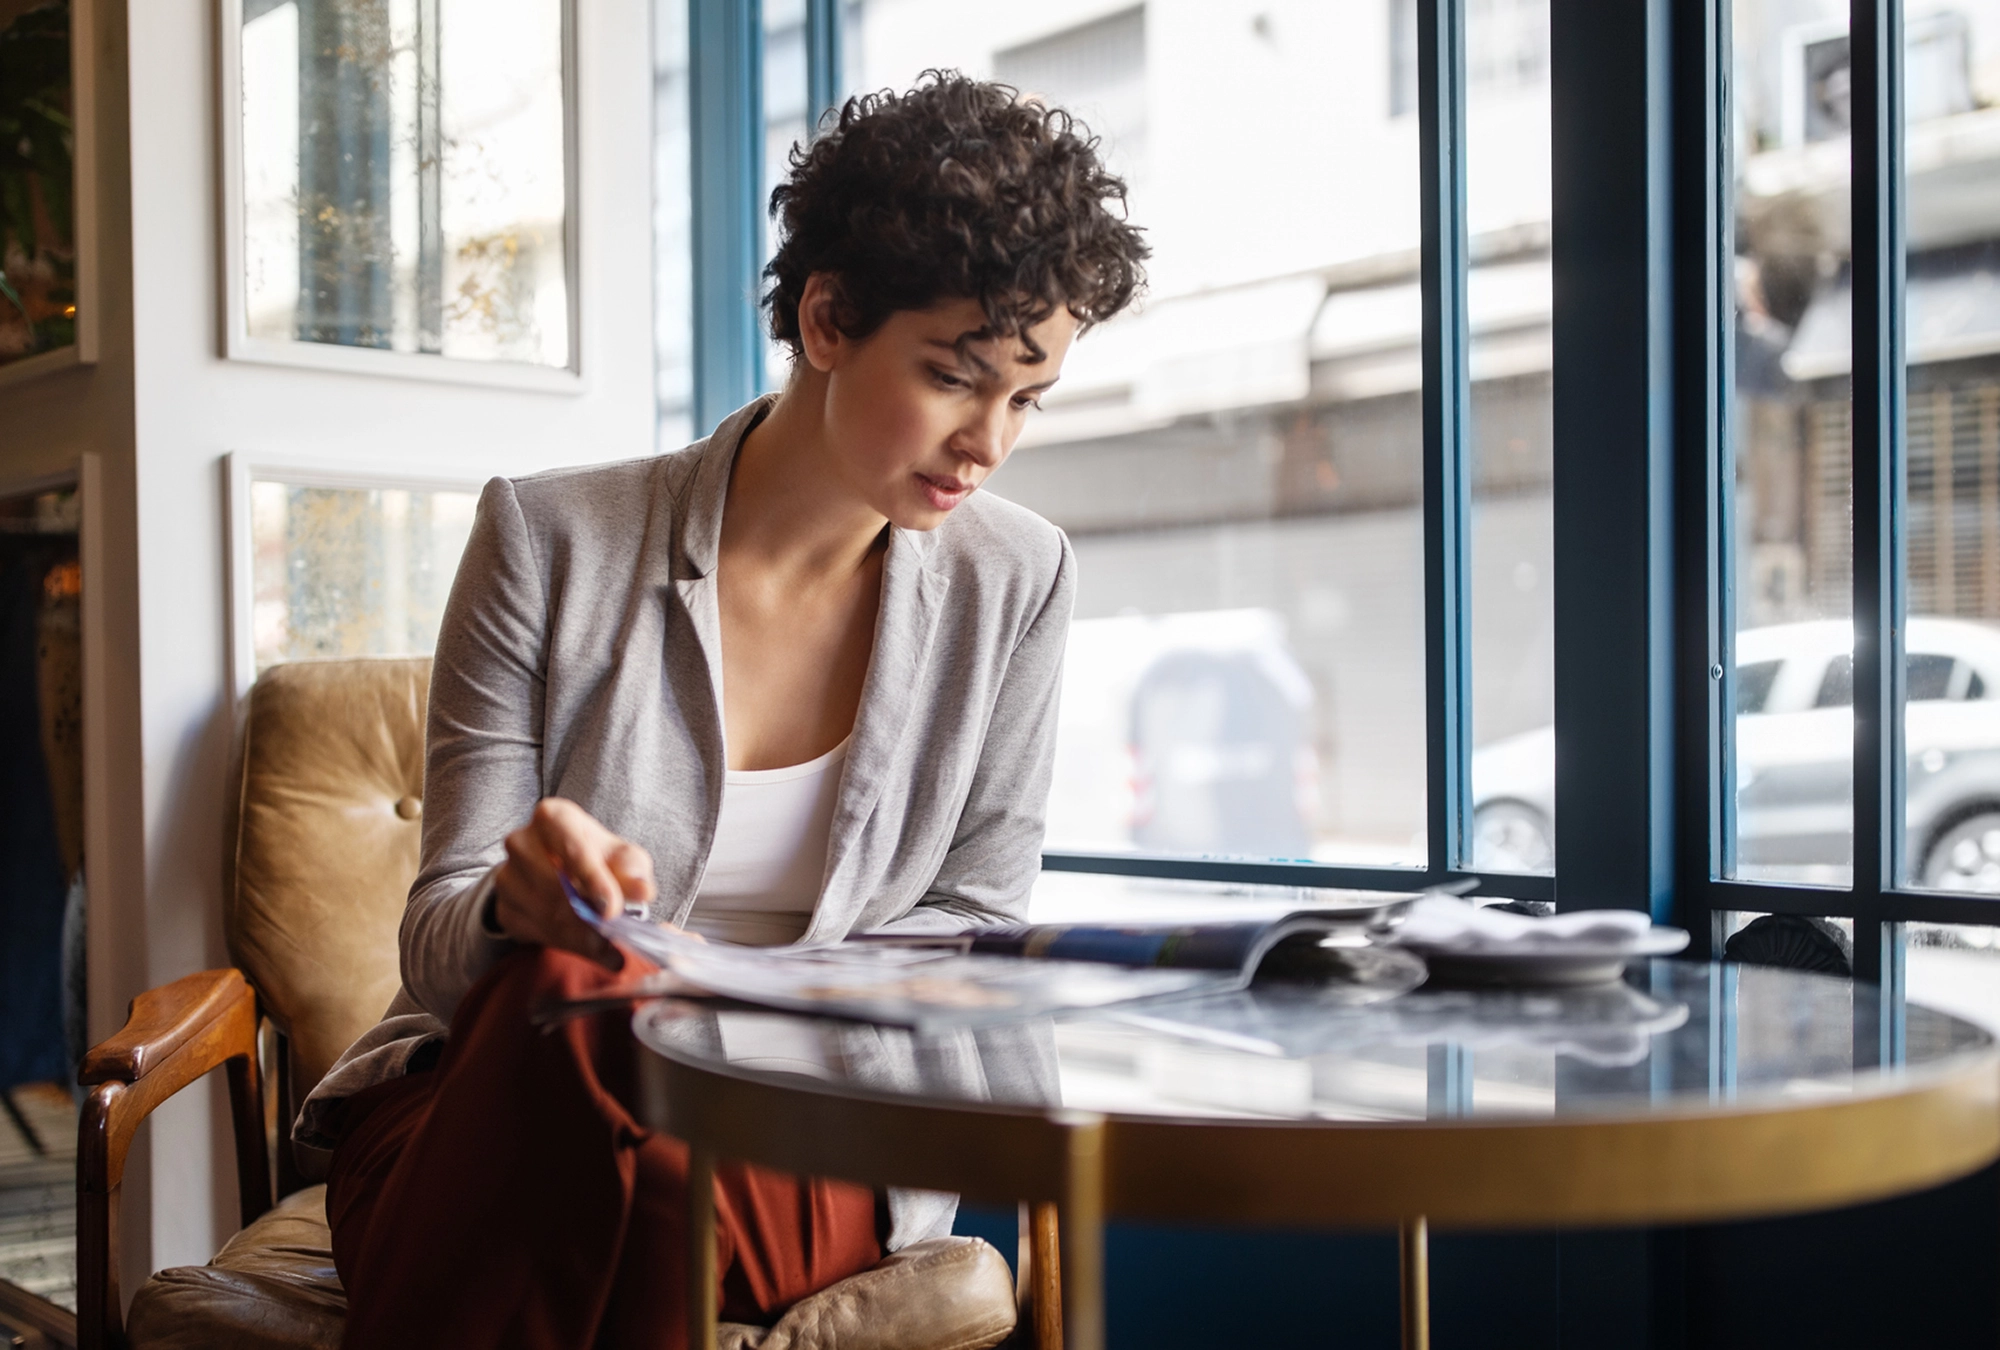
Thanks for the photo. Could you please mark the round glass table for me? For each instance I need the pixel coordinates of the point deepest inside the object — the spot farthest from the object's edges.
(1688, 1092)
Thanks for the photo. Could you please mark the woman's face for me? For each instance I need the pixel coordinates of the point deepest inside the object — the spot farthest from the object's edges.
(918, 416)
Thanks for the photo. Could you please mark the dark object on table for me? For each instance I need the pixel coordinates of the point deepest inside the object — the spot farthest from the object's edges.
(1527, 909)
(1792, 942)
(1355, 974)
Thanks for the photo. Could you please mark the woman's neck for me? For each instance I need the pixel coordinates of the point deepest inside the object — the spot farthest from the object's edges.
(787, 507)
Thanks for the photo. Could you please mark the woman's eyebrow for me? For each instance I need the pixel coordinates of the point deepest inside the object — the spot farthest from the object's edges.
(962, 353)
(961, 350)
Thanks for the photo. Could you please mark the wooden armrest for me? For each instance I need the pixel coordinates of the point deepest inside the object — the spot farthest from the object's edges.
(165, 1019)
(173, 1036)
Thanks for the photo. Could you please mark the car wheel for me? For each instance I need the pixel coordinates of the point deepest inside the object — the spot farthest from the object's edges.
(1966, 857)
(1510, 837)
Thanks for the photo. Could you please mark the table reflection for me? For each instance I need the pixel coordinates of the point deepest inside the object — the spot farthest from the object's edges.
(1671, 1036)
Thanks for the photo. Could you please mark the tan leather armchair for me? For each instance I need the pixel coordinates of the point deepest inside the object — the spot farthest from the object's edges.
(329, 793)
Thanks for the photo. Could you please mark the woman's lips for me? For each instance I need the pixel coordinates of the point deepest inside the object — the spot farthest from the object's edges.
(943, 493)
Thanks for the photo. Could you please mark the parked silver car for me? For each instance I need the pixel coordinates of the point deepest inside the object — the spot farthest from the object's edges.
(1794, 754)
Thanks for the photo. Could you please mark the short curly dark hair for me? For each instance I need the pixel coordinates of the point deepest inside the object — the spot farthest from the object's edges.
(957, 189)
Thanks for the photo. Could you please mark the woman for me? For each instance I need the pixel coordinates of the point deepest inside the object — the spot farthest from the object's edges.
(795, 681)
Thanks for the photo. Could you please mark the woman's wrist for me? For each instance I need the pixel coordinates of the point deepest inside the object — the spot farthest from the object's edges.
(489, 908)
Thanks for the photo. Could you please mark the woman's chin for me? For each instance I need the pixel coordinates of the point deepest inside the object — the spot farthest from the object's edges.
(919, 515)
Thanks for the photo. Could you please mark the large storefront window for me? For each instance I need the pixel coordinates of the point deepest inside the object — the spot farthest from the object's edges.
(1238, 462)
(1793, 687)
(1512, 434)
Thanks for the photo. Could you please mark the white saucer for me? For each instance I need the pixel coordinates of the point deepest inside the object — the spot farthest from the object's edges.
(1569, 964)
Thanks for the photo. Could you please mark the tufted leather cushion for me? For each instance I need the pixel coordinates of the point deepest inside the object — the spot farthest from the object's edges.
(330, 793)
(273, 1287)
(329, 799)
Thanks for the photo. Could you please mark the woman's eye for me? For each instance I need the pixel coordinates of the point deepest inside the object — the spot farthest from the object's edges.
(1026, 402)
(946, 379)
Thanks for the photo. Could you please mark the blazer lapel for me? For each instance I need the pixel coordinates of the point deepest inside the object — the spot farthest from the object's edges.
(906, 622)
(913, 598)
(694, 669)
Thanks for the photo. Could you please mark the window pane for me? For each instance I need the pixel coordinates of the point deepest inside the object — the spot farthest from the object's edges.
(404, 176)
(1753, 684)
(1513, 411)
(1956, 967)
(1238, 464)
(351, 571)
(1792, 545)
(1952, 465)
(785, 125)
(673, 229)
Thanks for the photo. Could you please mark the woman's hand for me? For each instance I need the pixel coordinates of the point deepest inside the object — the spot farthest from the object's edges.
(529, 905)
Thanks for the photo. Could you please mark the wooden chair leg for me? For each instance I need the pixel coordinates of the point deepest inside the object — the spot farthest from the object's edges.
(1038, 1286)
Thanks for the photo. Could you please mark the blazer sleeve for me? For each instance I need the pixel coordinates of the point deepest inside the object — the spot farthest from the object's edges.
(996, 851)
(483, 761)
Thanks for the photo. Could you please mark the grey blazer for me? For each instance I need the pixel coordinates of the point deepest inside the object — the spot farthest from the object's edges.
(579, 656)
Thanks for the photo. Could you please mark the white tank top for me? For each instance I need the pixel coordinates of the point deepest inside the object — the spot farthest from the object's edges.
(769, 856)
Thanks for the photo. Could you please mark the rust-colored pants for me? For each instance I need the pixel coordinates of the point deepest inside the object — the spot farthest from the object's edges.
(507, 1198)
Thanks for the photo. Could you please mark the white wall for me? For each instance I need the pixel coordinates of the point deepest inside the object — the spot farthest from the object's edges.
(192, 408)
(160, 411)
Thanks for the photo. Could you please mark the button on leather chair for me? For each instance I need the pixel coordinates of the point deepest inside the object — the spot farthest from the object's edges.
(328, 797)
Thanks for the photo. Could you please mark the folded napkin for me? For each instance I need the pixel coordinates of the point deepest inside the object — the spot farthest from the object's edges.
(1446, 923)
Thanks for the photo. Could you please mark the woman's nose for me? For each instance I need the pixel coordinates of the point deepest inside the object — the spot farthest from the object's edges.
(984, 439)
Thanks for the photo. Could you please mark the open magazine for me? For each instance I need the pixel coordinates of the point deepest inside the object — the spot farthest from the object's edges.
(992, 975)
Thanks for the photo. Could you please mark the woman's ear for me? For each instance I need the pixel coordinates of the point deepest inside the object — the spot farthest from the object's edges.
(820, 338)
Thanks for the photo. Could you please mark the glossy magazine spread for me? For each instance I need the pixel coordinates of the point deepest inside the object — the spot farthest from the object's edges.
(974, 978)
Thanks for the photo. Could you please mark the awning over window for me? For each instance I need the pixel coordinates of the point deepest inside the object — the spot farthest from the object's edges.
(1368, 342)
(1281, 341)
(1953, 313)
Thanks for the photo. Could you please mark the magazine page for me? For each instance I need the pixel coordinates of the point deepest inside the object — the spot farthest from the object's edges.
(1209, 946)
(923, 987)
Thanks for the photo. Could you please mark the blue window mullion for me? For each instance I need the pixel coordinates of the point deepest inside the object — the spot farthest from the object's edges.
(1704, 465)
(1615, 554)
(726, 135)
(1876, 38)
(1446, 404)
(823, 58)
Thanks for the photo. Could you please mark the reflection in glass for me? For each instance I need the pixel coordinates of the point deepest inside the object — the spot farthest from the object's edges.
(352, 571)
(404, 176)
(1791, 549)
(37, 231)
(1238, 464)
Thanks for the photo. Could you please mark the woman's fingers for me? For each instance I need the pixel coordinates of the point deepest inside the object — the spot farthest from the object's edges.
(633, 867)
(526, 912)
(530, 902)
(579, 845)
